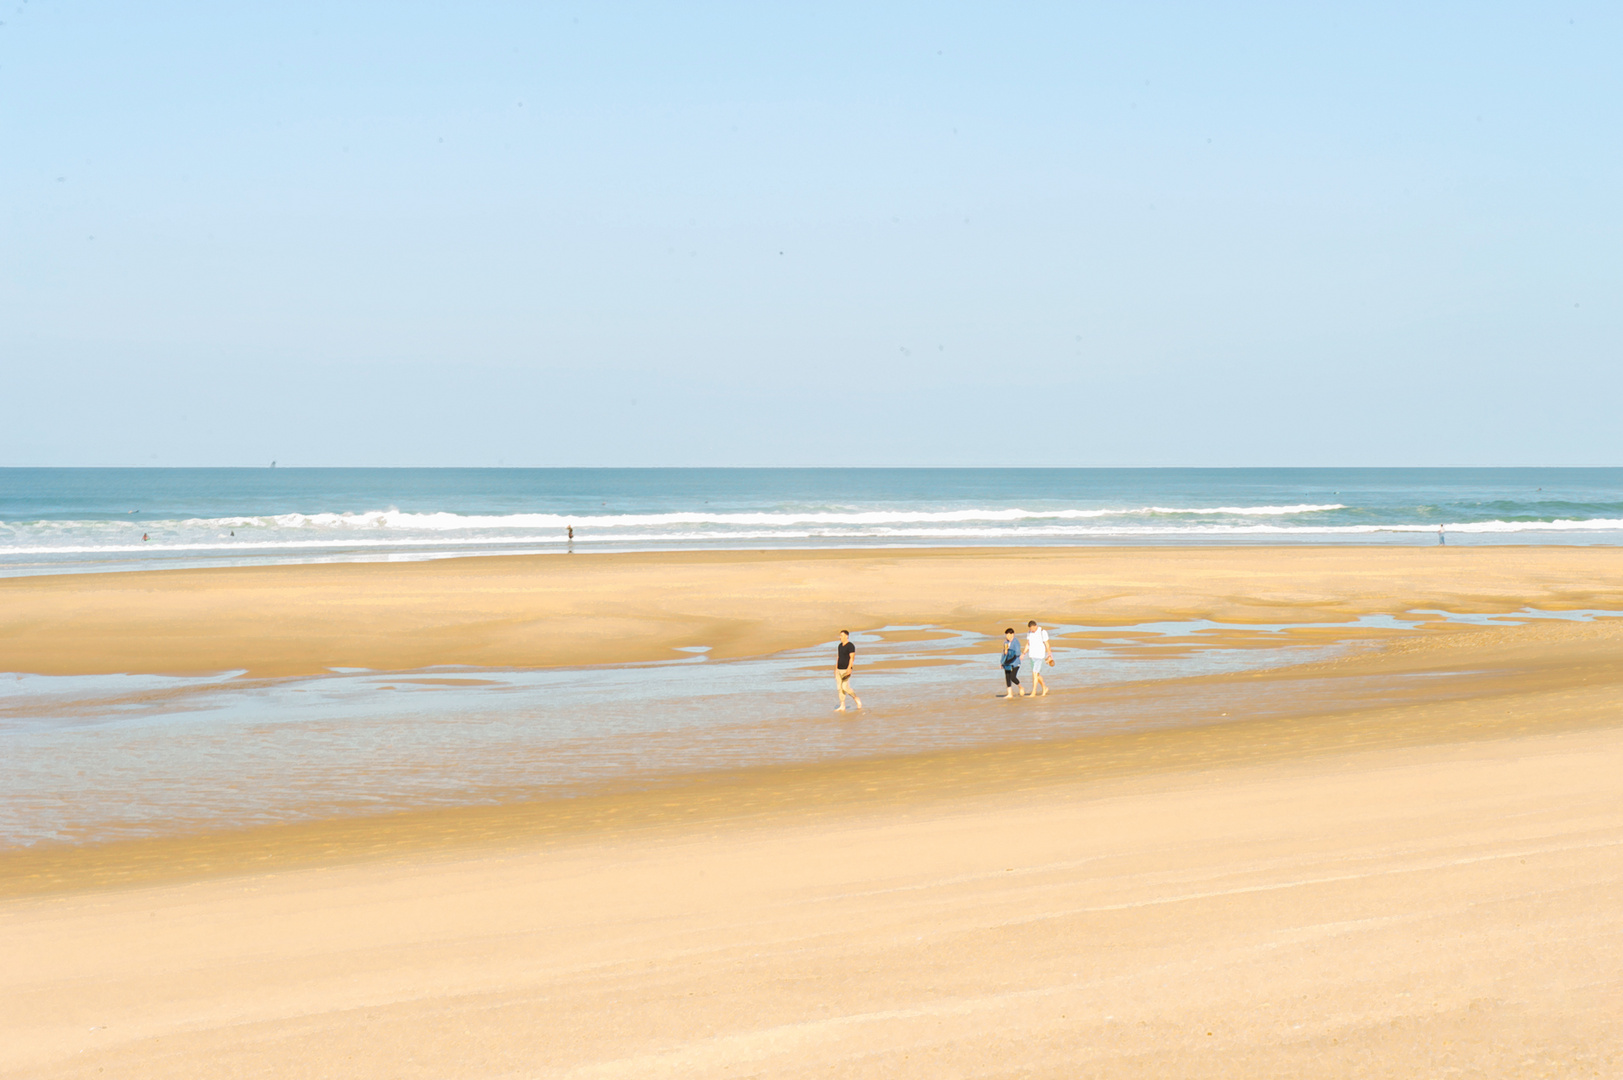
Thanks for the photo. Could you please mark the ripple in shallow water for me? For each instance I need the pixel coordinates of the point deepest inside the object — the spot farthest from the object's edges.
(101, 757)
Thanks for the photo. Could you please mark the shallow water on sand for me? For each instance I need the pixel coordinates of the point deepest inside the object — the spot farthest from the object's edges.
(91, 758)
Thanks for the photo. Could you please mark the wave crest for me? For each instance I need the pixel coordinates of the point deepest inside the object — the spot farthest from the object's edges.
(553, 539)
(445, 522)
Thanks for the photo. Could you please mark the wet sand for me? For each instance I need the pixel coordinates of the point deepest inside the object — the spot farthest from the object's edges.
(1382, 698)
(555, 610)
(1425, 881)
(1408, 862)
(1448, 910)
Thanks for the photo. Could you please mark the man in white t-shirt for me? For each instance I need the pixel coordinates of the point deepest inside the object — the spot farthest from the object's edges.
(1038, 653)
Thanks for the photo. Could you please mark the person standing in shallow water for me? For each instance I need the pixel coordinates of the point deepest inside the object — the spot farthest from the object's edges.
(1011, 665)
(1039, 652)
(844, 661)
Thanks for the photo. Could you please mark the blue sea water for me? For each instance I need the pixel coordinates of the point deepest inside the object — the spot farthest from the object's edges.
(73, 520)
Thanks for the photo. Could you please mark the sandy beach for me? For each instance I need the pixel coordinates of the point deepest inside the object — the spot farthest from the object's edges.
(1410, 867)
(506, 571)
(540, 611)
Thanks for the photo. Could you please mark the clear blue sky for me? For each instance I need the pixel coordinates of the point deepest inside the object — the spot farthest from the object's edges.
(374, 234)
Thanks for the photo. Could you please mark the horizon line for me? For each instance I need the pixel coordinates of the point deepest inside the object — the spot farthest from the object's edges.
(763, 468)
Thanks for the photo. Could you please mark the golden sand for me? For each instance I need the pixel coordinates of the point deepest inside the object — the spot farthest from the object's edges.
(540, 611)
(1411, 867)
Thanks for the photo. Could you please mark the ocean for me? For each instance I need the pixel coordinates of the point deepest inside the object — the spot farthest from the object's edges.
(77, 520)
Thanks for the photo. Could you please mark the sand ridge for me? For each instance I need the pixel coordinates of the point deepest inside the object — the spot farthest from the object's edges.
(558, 610)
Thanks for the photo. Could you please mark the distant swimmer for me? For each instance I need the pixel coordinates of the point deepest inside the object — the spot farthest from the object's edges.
(144, 536)
(844, 661)
(1037, 648)
(1011, 665)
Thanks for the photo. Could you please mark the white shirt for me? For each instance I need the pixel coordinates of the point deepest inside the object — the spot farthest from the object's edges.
(1037, 643)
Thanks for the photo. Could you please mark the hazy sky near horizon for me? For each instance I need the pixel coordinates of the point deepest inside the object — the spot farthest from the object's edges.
(417, 234)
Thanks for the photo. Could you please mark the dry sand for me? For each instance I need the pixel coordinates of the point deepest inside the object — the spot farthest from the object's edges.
(1422, 881)
(1447, 910)
(539, 611)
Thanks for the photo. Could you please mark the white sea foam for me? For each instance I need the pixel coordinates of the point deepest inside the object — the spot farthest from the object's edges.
(888, 532)
(445, 522)
(448, 522)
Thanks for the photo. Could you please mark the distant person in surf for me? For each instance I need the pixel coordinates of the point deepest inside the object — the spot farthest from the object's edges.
(1441, 539)
(1011, 665)
(844, 660)
(1039, 652)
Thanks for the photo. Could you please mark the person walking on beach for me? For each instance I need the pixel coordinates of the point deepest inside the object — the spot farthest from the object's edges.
(1037, 649)
(844, 661)
(1011, 665)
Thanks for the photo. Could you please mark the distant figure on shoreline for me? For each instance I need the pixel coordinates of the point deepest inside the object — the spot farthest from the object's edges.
(1011, 665)
(144, 536)
(844, 661)
(571, 530)
(1037, 648)
(1441, 539)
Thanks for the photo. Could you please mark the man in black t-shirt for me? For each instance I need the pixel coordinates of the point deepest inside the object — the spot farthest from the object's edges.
(844, 661)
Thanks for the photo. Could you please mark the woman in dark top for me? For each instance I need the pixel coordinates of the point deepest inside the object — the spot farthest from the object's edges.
(1011, 664)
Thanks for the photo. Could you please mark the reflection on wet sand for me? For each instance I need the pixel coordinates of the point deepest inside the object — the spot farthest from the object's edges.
(1482, 684)
(98, 758)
